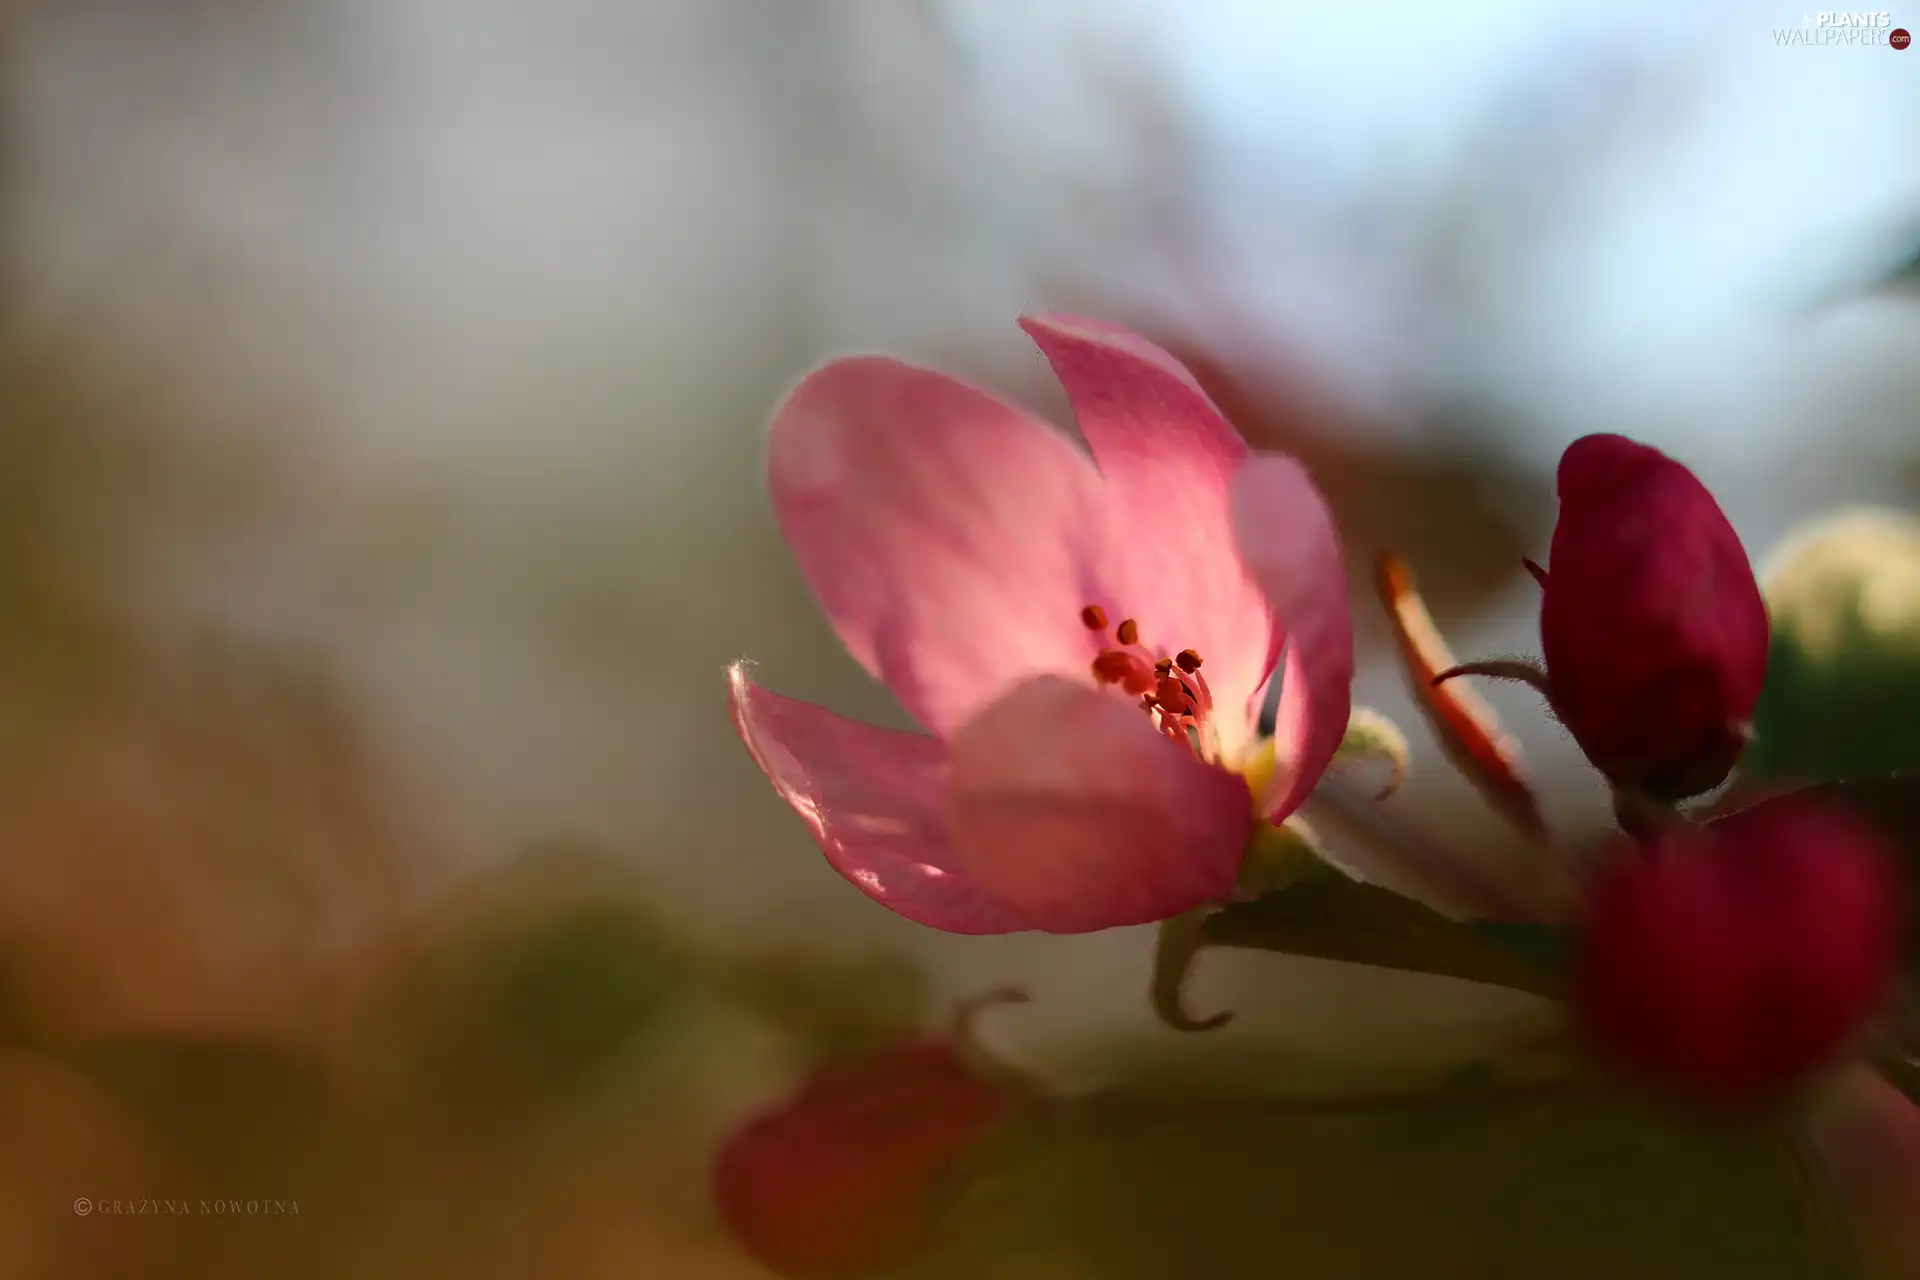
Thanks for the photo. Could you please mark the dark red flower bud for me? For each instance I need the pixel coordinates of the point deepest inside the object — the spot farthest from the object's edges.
(842, 1178)
(1653, 628)
(1728, 963)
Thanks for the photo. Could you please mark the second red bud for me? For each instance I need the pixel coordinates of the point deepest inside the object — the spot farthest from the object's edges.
(1730, 963)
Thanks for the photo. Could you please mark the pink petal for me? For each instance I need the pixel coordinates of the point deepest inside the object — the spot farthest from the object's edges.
(1293, 551)
(1068, 805)
(951, 538)
(872, 799)
(1169, 458)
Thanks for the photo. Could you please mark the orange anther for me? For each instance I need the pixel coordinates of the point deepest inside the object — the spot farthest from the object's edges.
(1173, 696)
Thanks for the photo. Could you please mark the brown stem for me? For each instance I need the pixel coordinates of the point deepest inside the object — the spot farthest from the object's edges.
(1643, 817)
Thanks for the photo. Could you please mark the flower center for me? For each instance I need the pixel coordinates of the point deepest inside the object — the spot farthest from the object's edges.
(1171, 690)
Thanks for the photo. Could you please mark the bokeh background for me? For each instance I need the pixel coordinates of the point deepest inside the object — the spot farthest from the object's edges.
(381, 394)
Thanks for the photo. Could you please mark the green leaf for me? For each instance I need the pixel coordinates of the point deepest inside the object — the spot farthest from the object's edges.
(1341, 919)
(1842, 698)
(1481, 1186)
(1540, 945)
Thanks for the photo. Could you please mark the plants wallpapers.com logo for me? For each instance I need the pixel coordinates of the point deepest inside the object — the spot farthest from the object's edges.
(1845, 28)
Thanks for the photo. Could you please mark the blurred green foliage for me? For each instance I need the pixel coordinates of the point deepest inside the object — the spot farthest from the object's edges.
(836, 1005)
(561, 980)
(239, 1111)
(1484, 1188)
(542, 1013)
(1842, 698)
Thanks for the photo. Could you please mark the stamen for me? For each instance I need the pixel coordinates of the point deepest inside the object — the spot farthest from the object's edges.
(1172, 691)
(1198, 695)
(1128, 670)
(1173, 696)
(1206, 694)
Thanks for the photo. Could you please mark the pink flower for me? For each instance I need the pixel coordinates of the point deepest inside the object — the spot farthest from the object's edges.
(1087, 640)
(1654, 630)
(1730, 962)
(843, 1177)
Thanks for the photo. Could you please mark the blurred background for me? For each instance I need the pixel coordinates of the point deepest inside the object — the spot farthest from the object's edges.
(381, 394)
